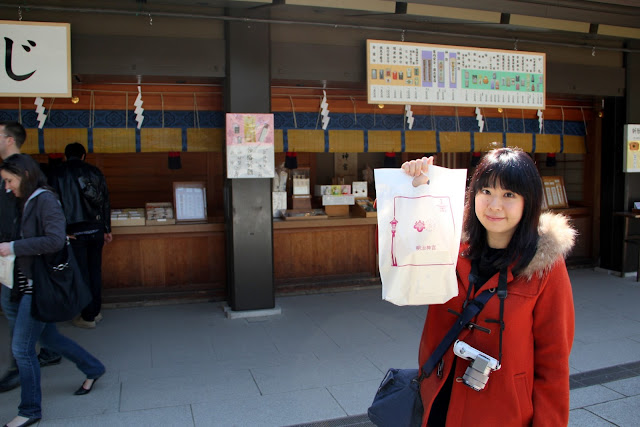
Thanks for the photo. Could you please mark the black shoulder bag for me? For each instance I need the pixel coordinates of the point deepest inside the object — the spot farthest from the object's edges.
(397, 402)
(59, 291)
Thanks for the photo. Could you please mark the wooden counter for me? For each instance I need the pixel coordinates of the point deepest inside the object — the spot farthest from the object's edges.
(281, 224)
(318, 253)
(189, 260)
(167, 229)
(182, 260)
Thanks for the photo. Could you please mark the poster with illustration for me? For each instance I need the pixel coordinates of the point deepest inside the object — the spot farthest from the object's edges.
(631, 152)
(433, 74)
(250, 150)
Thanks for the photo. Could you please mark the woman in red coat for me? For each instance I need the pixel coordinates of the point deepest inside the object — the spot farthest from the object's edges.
(504, 231)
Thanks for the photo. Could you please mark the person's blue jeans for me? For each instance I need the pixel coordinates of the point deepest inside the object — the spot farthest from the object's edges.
(4, 303)
(26, 332)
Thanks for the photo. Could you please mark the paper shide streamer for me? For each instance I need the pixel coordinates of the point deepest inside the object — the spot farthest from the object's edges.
(480, 119)
(409, 115)
(324, 110)
(139, 110)
(42, 117)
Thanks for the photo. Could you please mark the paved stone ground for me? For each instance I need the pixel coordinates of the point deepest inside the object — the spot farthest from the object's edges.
(321, 359)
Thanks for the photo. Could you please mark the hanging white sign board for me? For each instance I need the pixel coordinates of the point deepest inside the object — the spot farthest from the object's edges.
(36, 59)
(429, 74)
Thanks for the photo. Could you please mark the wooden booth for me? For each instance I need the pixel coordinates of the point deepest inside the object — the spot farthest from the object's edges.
(182, 140)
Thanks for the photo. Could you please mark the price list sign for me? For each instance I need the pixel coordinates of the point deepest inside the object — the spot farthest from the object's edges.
(250, 151)
(425, 74)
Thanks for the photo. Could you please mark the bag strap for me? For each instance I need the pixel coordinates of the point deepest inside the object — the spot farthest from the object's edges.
(472, 309)
(502, 294)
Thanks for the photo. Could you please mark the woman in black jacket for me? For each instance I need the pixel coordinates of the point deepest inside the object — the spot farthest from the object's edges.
(43, 232)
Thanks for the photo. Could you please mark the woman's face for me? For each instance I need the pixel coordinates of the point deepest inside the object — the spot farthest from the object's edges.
(499, 211)
(12, 182)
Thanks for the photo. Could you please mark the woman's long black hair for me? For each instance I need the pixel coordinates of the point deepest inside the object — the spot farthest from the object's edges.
(31, 177)
(513, 170)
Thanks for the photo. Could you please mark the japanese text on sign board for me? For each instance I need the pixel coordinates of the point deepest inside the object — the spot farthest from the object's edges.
(407, 73)
(36, 60)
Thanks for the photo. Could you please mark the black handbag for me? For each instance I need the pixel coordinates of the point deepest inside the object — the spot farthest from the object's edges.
(397, 402)
(59, 291)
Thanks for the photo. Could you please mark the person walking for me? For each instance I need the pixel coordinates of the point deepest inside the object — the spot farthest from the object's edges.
(12, 136)
(85, 201)
(43, 232)
(510, 245)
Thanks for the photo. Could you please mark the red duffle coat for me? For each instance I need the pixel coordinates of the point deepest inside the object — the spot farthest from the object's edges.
(532, 386)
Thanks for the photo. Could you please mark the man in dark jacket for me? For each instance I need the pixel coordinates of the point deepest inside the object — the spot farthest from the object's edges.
(85, 201)
(12, 136)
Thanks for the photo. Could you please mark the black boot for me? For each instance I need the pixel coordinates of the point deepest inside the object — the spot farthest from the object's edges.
(48, 358)
(10, 380)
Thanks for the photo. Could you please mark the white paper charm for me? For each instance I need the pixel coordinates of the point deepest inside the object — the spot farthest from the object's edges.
(419, 230)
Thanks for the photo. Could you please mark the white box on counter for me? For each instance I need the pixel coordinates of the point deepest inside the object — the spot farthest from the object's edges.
(331, 200)
(359, 189)
(127, 217)
(300, 186)
(321, 190)
(279, 202)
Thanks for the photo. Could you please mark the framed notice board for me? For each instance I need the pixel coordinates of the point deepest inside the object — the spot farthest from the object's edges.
(555, 195)
(429, 74)
(190, 201)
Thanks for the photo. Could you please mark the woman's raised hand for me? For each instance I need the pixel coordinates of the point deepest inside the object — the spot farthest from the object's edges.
(417, 169)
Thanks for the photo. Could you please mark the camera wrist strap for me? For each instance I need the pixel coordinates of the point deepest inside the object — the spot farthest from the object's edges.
(472, 309)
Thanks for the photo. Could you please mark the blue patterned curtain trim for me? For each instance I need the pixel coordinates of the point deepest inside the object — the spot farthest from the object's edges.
(339, 121)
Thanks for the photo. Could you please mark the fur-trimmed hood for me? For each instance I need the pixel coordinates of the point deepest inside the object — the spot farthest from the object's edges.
(556, 240)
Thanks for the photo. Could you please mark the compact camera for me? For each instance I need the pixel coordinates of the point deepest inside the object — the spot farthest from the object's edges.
(477, 374)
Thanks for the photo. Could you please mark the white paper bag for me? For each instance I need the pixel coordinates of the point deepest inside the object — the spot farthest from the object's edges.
(6, 270)
(419, 230)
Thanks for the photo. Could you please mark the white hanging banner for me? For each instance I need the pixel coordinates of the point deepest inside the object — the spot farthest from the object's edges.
(37, 59)
(419, 230)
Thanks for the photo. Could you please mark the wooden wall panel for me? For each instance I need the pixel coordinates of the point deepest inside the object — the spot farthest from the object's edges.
(165, 261)
(120, 261)
(324, 252)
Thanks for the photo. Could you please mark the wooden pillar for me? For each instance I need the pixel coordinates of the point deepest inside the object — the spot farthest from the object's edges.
(248, 213)
(619, 190)
(632, 180)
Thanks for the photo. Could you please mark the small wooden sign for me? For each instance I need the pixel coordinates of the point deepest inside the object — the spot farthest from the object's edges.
(555, 195)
